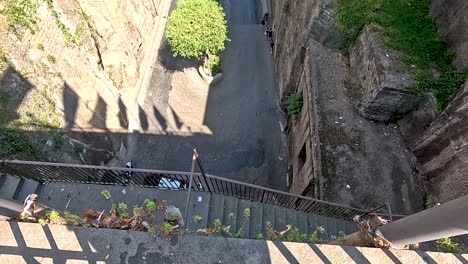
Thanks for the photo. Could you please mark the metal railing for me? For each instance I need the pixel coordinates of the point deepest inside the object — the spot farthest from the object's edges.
(47, 172)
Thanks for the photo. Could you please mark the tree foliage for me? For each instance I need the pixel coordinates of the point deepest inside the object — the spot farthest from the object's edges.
(196, 28)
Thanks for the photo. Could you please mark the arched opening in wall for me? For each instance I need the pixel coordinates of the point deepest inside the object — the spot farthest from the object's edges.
(290, 176)
(302, 157)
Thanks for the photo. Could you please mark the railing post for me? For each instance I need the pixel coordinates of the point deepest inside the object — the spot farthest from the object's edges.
(446, 220)
(202, 169)
(189, 188)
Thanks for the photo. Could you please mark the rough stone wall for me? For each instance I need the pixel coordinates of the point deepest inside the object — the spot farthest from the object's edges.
(82, 80)
(440, 146)
(123, 31)
(304, 20)
(378, 78)
(443, 151)
(303, 141)
(451, 17)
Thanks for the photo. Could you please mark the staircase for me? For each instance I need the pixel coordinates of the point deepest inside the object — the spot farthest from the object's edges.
(236, 204)
(231, 211)
(17, 188)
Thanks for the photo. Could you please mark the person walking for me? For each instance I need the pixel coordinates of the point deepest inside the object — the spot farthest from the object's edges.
(265, 18)
(272, 45)
(269, 34)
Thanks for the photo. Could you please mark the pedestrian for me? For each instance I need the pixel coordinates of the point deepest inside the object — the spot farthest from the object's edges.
(269, 34)
(272, 45)
(265, 18)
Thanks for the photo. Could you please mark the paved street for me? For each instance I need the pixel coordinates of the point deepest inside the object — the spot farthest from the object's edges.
(235, 124)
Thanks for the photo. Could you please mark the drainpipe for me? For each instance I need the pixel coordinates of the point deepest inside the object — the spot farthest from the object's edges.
(446, 220)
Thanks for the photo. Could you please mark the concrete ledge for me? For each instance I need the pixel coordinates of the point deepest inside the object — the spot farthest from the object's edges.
(29, 243)
(209, 79)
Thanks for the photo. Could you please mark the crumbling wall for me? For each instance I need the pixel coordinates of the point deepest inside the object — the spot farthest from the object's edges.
(123, 32)
(79, 58)
(443, 151)
(379, 78)
(452, 20)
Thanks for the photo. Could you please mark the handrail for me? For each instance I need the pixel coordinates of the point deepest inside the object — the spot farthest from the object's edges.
(49, 172)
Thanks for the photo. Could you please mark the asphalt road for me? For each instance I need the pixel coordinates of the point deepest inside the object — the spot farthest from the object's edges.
(244, 140)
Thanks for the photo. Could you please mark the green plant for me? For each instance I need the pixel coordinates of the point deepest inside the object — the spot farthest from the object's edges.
(16, 144)
(106, 194)
(217, 223)
(42, 221)
(138, 211)
(285, 7)
(74, 38)
(40, 46)
(214, 64)
(150, 205)
(72, 219)
(406, 26)
(53, 215)
(152, 230)
(123, 206)
(295, 236)
(124, 215)
(314, 235)
(447, 245)
(58, 141)
(231, 216)
(20, 14)
(196, 28)
(51, 58)
(294, 104)
(259, 236)
(247, 212)
(239, 233)
(77, 148)
(168, 228)
(3, 58)
(197, 218)
(342, 237)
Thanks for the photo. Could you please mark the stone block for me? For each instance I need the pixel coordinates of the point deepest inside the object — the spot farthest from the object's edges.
(378, 78)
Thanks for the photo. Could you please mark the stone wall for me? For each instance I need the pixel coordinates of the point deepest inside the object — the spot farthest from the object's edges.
(443, 151)
(123, 32)
(452, 19)
(441, 147)
(378, 78)
(82, 78)
(303, 20)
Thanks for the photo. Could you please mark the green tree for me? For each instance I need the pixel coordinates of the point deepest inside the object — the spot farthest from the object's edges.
(197, 28)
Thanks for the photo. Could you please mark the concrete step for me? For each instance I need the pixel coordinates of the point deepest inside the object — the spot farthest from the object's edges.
(199, 206)
(280, 218)
(256, 219)
(26, 187)
(230, 213)
(216, 208)
(302, 222)
(268, 216)
(9, 187)
(331, 228)
(291, 217)
(312, 223)
(322, 221)
(243, 219)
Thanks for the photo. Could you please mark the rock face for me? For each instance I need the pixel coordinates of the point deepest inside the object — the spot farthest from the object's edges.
(304, 20)
(443, 151)
(77, 61)
(123, 30)
(378, 79)
(452, 19)
(333, 150)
